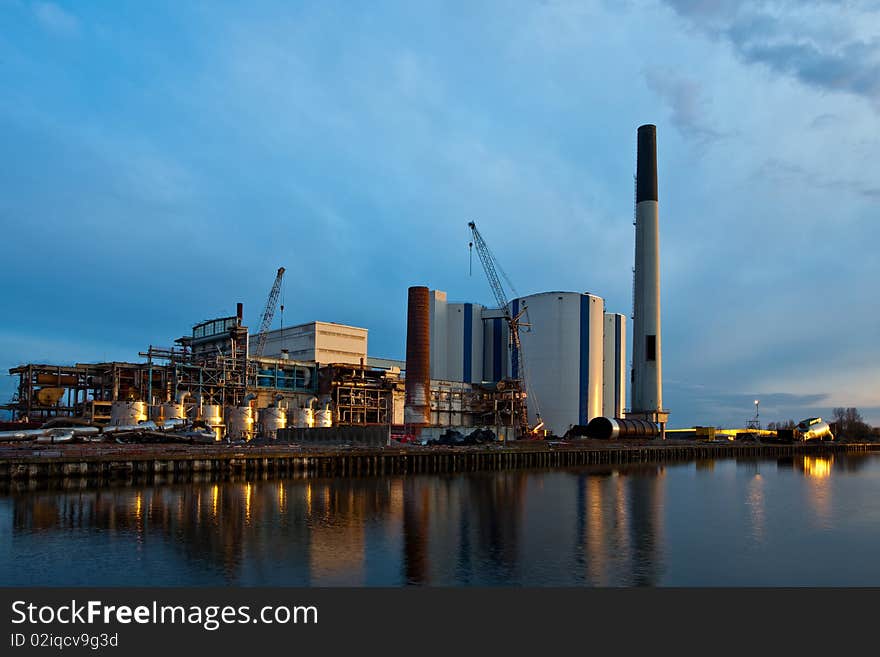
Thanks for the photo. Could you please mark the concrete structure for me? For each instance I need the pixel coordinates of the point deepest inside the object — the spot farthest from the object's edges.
(456, 339)
(321, 342)
(417, 409)
(614, 370)
(647, 388)
(496, 345)
(562, 357)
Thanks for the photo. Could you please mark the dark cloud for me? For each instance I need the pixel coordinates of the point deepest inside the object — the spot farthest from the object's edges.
(820, 51)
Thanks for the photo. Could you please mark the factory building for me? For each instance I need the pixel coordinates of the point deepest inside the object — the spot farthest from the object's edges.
(614, 371)
(456, 339)
(319, 342)
(562, 361)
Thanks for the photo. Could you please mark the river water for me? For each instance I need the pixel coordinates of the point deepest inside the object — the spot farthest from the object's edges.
(802, 521)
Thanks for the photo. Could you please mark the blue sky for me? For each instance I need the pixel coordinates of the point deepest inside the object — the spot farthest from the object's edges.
(161, 160)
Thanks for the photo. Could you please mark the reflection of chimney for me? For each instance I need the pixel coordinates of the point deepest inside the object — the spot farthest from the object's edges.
(417, 409)
(647, 389)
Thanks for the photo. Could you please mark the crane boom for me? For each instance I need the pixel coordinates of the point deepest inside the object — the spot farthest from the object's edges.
(269, 313)
(491, 267)
(488, 261)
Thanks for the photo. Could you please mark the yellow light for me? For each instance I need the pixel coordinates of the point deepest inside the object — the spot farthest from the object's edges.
(817, 466)
(247, 503)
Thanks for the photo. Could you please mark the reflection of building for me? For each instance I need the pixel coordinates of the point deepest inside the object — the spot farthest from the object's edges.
(464, 529)
(620, 526)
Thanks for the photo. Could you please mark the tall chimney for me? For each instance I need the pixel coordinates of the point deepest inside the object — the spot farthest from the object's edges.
(417, 409)
(647, 386)
(239, 311)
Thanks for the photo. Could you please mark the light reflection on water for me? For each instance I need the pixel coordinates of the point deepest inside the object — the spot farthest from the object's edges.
(785, 522)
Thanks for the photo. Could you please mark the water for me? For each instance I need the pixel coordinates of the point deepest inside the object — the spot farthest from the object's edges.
(806, 521)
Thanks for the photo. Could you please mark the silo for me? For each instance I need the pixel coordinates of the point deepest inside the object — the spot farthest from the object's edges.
(127, 412)
(614, 371)
(239, 422)
(417, 409)
(272, 418)
(213, 418)
(562, 357)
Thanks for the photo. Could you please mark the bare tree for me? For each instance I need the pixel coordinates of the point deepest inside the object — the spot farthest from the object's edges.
(850, 423)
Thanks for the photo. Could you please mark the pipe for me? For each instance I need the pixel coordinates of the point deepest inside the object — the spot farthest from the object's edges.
(143, 426)
(248, 398)
(182, 395)
(607, 428)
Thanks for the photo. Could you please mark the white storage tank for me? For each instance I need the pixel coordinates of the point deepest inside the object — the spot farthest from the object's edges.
(305, 418)
(563, 357)
(272, 419)
(324, 417)
(614, 371)
(128, 412)
(239, 422)
(173, 411)
(213, 418)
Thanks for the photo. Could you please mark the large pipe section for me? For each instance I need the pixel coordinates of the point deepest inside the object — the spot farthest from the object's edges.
(608, 428)
(647, 390)
(417, 408)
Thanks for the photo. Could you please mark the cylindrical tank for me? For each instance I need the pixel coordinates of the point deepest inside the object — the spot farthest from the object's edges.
(272, 419)
(305, 418)
(324, 418)
(173, 411)
(562, 357)
(127, 413)
(239, 422)
(213, 418)
(607, 428)
(417, 408)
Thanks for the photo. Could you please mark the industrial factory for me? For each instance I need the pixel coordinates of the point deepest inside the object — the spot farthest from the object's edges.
(545, 364)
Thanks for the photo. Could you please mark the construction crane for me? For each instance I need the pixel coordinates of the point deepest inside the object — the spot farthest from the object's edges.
(491, 267)
(268, 314)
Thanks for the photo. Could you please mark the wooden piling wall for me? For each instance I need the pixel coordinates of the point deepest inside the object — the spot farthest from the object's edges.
(192, 462)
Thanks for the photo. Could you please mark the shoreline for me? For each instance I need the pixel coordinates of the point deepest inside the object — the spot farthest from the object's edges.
(101, 465)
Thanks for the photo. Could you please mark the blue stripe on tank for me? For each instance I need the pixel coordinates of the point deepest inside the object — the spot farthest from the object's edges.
(584, 374)
(496, 349)
(468, 340)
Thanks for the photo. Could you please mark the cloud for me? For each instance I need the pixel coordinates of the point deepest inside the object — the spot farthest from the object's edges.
(710, 405)
(685, 98)
(55, 19)
(817, 43)
(784, 171)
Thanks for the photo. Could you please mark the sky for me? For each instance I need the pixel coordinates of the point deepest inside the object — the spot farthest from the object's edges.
(161, 160)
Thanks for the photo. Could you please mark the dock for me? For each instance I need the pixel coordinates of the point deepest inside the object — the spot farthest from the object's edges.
(96, 464)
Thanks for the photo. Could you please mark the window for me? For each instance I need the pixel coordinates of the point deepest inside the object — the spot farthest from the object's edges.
(650, 347)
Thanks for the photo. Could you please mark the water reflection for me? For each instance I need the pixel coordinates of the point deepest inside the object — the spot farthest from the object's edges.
(596, 526)
(818, 472)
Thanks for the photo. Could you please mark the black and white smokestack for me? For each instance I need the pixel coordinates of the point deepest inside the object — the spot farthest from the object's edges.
(647, 387)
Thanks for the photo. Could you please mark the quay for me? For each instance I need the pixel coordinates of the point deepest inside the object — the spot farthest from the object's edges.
(177, 463)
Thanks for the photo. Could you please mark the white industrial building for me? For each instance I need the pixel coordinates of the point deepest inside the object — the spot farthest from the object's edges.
(565, 353)
(614, 371)
(320, 342)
